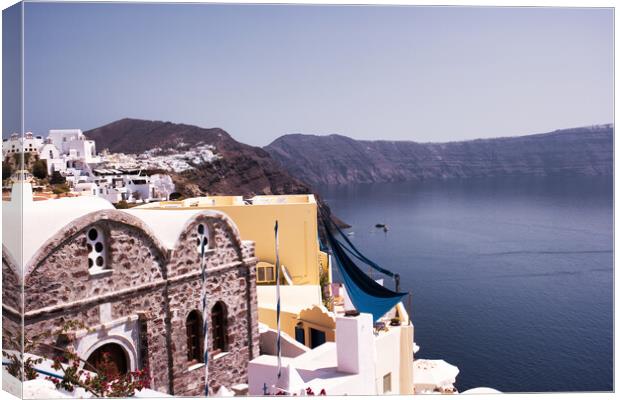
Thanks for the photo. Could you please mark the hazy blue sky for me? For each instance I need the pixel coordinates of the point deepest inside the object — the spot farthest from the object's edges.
(417, 73)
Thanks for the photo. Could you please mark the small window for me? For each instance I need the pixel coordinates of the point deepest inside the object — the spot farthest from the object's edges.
(317, 338)
(193, 326)
(265, 273)
(219, 328)
(387, 383)
(95, 243)
(202, 240)
(300, 334)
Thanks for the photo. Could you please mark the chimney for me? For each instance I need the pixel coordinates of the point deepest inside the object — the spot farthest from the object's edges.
(355, 345)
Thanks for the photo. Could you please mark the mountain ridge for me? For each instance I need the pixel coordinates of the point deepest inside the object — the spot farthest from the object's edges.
(338, 159)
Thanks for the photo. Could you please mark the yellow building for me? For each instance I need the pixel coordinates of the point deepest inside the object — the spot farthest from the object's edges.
(302, 261)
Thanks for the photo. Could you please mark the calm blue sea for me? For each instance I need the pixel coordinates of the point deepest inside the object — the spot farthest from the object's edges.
(512, 279)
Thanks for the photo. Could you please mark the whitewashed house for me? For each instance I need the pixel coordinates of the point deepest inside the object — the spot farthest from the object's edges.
(50, 153)
(21, 144)
(140, 187)
(73, 143)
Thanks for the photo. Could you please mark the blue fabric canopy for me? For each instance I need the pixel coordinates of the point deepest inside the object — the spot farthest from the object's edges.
(366, 295)
(357, 254)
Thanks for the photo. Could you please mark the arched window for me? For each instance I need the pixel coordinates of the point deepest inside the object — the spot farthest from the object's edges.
(95, 242)
(202, 241)
(219, 323)
(193, 326)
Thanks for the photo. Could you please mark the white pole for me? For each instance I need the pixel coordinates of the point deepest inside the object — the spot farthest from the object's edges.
(278, 302)
(205, 326)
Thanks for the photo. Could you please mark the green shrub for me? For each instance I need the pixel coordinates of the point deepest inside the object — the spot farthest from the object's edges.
(39, 169)
(121, 205)
(60, 188)
(7, 170)
(57, 178)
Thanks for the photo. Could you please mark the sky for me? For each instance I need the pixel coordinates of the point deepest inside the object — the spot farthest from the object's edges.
(369, 72)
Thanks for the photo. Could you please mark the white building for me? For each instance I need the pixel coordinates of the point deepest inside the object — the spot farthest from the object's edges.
(21, 144)
(140, 187)
(128, 185)
(362, 361)
(50, 153)
(73, 143)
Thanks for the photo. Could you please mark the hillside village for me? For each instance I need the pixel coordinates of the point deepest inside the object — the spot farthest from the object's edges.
(66, 163)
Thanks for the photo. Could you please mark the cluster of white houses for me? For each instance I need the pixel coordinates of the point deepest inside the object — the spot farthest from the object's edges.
(70, 153)
(64, 150)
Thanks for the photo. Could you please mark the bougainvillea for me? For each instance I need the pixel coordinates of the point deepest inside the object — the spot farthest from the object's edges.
(100, 383)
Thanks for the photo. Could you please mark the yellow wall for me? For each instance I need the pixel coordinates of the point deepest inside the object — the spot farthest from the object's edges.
(316, 317)
(288, 319)
(297, 236)
(312, 317)
(298, 231)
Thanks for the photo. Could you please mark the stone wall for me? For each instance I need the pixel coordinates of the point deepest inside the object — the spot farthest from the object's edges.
(229, 279)
(11, 305)
(157, 285)
(63, 276)
(11, 286)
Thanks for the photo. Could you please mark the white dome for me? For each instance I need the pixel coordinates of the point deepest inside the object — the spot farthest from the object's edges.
(37, 221)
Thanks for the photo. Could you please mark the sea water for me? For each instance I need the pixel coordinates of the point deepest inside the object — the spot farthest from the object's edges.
(511, 279)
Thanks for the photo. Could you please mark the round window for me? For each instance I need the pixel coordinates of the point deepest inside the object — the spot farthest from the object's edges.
(95, 240)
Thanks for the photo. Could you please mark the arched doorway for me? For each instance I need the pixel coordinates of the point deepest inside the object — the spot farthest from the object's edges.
(116, 360)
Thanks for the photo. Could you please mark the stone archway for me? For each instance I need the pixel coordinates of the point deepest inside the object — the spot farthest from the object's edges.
(110, 358)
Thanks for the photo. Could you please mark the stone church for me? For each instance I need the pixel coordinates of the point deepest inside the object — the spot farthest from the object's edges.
(133, 279)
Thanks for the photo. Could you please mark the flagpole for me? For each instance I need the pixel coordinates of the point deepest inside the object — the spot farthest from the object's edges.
(205, 326)
(278, 302)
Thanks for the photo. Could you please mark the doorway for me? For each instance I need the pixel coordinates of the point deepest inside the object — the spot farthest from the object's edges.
(116, 360)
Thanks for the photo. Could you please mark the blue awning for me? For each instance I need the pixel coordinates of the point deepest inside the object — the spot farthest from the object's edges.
(365, 293)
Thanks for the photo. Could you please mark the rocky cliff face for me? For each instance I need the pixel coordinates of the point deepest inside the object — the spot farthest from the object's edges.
(241, 169)
(338, 159)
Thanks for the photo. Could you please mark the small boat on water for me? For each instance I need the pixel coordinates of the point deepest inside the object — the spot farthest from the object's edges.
(384, 226)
